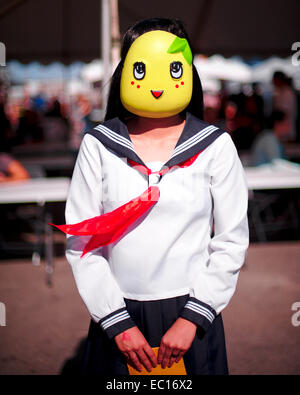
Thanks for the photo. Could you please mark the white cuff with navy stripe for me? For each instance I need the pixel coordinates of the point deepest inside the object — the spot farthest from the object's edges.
(116, 322)
(199, 313)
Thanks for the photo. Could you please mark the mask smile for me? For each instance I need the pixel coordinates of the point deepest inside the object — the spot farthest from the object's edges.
(157, 94)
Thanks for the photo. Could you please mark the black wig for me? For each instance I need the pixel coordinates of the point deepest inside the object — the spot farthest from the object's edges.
(115, 107)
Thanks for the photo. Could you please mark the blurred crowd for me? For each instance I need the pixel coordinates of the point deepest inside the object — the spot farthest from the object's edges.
(258, 123)
(39, 119)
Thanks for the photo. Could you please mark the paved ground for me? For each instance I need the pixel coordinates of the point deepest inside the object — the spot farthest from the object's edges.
(44, 326)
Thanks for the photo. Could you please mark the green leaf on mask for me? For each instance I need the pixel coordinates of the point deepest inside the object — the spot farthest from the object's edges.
(181, 45)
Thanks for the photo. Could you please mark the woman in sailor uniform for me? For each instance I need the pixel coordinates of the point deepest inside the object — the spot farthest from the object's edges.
(156, 215)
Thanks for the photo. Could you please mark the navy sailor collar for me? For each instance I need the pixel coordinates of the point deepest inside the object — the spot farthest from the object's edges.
(195, 137)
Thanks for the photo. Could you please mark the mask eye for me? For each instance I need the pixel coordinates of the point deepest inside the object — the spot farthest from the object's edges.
(176, 69)
(139, 70)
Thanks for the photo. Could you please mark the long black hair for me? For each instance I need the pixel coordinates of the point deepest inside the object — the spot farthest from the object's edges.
(114, 105)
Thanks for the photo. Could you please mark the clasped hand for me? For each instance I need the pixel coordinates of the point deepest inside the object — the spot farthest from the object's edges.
(174, 344)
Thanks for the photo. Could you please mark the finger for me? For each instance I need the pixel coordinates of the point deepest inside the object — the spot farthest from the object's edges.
(171, 361)
(175, 353)
(143, 358)
(160, 354)
(166, 357)
(181, 354)
(151, 355)
(134, 361)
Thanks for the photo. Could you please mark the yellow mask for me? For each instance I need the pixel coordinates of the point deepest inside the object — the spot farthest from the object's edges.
(157, 76)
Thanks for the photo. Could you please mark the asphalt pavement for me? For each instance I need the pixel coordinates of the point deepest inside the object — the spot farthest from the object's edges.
(46, 326)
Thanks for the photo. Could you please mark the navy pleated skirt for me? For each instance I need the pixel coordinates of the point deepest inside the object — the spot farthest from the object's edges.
(206, 356)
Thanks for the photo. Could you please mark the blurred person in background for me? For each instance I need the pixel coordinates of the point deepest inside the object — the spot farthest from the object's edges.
(285, 101)
(84, 107)
(213, 110)
(5, 125)
(242, 133)
(248, 117)
(80, 111)
(266, 146)
(55, 125)
(29, 129)
(11, 169)
(223, 99)
(39, 102)
(255, 103)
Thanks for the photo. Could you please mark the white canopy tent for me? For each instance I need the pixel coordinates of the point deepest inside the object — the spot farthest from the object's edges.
(263, 72)
(218, 67)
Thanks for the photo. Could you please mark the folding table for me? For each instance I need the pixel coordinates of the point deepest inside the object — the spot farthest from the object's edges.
(38, 191)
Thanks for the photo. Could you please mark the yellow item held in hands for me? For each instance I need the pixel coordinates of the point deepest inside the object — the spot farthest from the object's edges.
(157, 76)
(177, 369)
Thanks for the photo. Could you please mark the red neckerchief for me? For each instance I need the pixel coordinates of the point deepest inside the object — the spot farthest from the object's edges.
(110, 227)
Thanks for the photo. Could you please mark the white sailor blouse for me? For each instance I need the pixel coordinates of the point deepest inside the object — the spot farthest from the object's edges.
(193, 240)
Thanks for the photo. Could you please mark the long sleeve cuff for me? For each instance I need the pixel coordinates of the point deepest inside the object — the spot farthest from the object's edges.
(116, 322)
(199, 313)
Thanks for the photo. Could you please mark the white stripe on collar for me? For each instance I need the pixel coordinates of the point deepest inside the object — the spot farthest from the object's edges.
(115, 137)
(194, 140)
